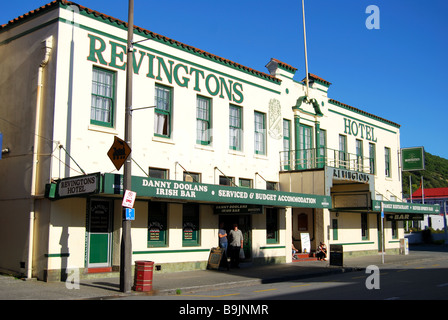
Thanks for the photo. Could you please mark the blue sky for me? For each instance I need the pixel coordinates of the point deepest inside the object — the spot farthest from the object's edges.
(397, 72)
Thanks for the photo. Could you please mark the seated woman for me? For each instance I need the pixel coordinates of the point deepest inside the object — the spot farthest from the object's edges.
(321, 252)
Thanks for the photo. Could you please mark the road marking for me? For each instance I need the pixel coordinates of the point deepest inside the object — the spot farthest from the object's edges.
(436, 265)
(301, 285)
(442, 285)
(392, 298)
(265, 290)
(207, 296)
(402, 270)
(420, 267)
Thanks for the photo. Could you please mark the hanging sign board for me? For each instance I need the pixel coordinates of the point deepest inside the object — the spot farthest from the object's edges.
(413, 159)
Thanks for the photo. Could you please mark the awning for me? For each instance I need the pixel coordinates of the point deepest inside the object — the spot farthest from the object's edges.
(200, 192)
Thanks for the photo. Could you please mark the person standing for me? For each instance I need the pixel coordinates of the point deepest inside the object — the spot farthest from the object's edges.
(236, 244)
(222, 235)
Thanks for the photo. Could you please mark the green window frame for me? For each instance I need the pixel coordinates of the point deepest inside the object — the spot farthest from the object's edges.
(322, 149)
(163, 111)
(190, 225)
(394, 229)
(343, 151)
(158, 173)
(245, 183)
(364, 226)
(226, 181)
(192, 177)
(203, 120)
(286, 144)
(271, 185)
(387, 162)
(305, 152)
(359, 155)
(157, 224)
(235, 128)
(372, 155)
(272, 226)
(102, 109)
(260, 133)
(334, 223)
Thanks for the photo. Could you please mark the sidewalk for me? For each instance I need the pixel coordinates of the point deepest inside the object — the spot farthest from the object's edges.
(194, 281)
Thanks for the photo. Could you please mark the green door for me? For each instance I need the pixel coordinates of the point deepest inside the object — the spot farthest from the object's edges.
(99, 234)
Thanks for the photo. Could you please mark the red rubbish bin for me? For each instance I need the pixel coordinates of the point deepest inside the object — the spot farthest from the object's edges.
(143, 275)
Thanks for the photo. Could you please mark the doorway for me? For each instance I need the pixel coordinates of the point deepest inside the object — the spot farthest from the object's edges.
(99, 233)
(245, 225)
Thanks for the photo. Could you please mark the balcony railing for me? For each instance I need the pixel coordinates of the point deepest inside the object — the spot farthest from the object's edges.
(317, 158)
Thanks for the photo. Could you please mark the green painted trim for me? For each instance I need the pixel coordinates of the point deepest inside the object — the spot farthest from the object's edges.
(284, 75)
(175, 44)
(170, 251)
(321, 90)
(273, 247)
(160, 53)
(57, 255)
(370, 124)
(353, 243)
(366, 114)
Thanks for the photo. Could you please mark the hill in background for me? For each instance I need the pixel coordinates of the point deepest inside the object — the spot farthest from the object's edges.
(435, 175)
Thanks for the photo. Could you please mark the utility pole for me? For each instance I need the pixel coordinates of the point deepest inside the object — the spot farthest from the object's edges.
(126, 245)
(306, 56)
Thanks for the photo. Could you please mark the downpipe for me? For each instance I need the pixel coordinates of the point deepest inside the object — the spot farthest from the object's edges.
(48, 46)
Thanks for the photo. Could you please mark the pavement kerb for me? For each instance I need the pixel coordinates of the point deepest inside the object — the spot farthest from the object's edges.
(226, 285)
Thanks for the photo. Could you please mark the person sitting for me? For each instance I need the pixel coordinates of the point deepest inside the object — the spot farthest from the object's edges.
(321, 252)
(294, 251)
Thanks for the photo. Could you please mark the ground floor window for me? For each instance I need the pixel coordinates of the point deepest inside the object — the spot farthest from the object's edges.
(364, 226)
(334, 223)
(190, 223)
(272, 232)
(157, 224)
(394, 229)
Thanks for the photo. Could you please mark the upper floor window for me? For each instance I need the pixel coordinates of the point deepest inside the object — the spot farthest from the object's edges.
(162, 115)
(343, 157)
(235, 128)
(387, 161)
(203, 121)
(103, 97)
(260, 133)
(372, 155)
(286, 144)
(158, 173)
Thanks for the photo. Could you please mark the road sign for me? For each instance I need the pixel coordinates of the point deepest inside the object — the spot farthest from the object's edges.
(130, 214)
(119, 152)
(129, 199)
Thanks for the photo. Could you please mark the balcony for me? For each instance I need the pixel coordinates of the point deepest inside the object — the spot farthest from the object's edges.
(318, 158)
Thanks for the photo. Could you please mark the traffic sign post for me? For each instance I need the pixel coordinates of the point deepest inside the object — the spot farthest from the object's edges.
(129, 199)
(130, 214)
(119, 152)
